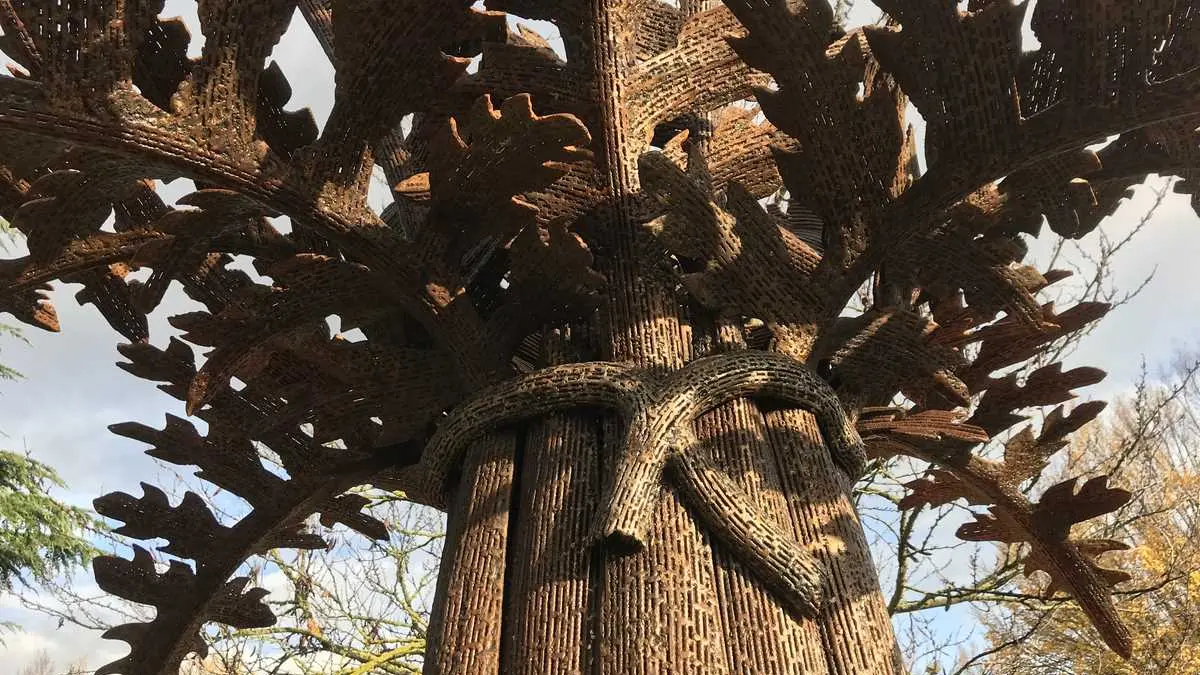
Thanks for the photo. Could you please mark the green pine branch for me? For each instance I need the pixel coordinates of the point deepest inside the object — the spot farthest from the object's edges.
(40, 536)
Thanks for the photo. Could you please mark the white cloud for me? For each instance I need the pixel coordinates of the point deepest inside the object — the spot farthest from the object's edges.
(277, 584)
(66, 646)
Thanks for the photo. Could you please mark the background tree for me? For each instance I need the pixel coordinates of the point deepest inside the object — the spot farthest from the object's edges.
(703, 522)
(41, 537)
(43, 664)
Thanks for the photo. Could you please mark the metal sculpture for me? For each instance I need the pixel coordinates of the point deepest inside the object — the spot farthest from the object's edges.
(596, 232)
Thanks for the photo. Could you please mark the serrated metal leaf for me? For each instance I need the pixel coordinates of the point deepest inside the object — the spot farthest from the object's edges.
(346, 509)
(1090, 549)
(992, 527)
(942, 487)
(191, 530)
(1060, 506)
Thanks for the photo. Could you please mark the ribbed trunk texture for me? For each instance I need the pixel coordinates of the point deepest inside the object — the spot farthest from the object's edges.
(522, 592)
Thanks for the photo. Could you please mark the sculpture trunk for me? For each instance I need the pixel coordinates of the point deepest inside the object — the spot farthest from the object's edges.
(522, 591)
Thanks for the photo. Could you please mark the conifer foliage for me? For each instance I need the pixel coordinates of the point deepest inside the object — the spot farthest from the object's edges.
(40, 536)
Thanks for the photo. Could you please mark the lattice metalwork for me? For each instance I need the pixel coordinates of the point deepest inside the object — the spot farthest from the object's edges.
(537, 193)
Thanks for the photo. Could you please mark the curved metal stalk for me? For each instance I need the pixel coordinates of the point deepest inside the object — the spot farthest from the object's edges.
(654, 435)
(575, 385)
(779, 562)
(660, 412)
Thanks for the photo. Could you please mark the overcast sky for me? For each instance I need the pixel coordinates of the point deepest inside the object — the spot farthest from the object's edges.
(73, 390)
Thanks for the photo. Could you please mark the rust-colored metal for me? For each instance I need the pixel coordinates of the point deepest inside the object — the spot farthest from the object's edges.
(586, 336)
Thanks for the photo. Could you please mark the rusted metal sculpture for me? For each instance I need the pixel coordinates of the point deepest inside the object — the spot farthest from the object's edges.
(586, 334)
